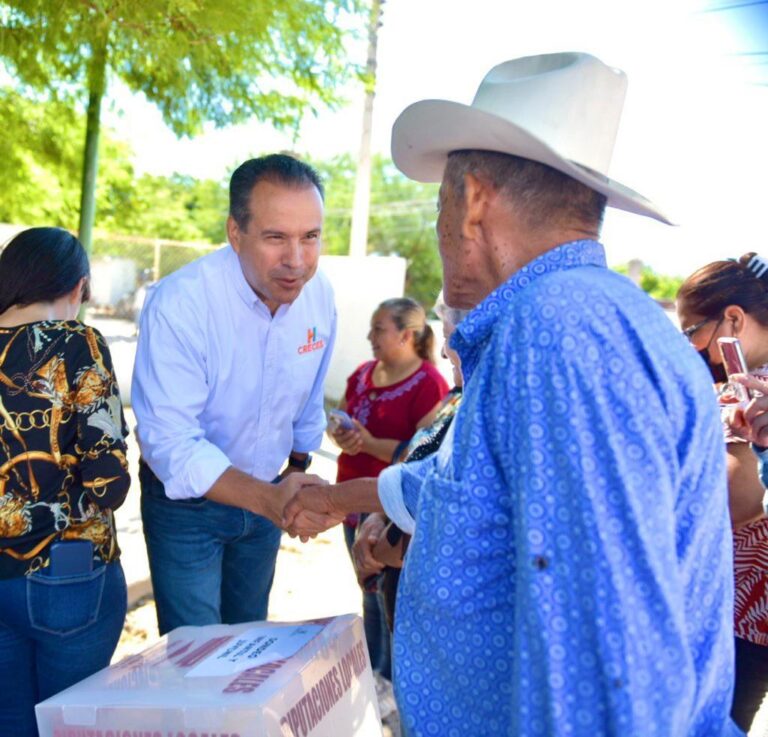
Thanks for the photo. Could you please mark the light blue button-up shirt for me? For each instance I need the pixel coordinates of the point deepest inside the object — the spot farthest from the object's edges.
(570, 572)
(221, 382)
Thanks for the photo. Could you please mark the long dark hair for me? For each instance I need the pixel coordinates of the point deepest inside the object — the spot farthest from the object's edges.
(708, 291)
(41, 265)
(408, 314)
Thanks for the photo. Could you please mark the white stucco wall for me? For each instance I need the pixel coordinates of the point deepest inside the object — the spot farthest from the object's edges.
(360, 284)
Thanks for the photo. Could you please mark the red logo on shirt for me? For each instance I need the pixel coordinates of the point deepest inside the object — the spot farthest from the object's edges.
(312, 344)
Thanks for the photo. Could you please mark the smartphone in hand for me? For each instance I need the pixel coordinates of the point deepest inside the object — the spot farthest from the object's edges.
(733, 359)
(339, 420)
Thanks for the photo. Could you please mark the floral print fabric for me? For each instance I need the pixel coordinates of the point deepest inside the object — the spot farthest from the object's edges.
(62, 443)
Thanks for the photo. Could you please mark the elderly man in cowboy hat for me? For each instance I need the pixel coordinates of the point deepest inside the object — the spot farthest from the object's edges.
(570, 571)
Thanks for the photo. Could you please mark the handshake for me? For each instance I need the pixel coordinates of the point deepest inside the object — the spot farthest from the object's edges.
(305, 506)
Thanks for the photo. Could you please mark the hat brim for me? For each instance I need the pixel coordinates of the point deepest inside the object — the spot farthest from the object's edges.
(427, 131)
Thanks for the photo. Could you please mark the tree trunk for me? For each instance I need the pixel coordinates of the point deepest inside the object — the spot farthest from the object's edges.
(97, 74)
(358, 240)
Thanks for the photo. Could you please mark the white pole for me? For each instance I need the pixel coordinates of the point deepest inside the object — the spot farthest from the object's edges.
(358, 240)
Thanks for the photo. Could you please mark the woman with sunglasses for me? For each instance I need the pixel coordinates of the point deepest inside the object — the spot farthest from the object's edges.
(730, 298)
(62, 473)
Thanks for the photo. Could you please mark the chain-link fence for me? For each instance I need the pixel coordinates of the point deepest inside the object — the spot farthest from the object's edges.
(122, 266)
(156, 257)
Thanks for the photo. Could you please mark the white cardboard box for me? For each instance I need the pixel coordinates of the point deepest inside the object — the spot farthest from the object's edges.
(214, 682)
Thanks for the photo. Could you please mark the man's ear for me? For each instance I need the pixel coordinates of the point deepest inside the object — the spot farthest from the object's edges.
(233, 233)
(477, 195)
(736, 318)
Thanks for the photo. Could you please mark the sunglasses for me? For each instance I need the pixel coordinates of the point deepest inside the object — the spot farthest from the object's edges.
(689, 331)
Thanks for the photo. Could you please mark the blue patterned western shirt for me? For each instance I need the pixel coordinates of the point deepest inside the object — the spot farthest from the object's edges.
(571, 571)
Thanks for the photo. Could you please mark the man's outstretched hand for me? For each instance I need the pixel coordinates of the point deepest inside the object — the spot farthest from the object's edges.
(280, 494)
(310, 511)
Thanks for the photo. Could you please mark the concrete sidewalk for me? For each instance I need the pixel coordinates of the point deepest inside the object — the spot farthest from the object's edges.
(130, 536)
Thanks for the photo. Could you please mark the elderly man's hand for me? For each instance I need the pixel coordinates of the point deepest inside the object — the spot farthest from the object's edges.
(284, 491)
(310, 511)
(366, 564)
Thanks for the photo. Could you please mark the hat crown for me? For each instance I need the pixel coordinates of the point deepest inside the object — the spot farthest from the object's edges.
(570, 101)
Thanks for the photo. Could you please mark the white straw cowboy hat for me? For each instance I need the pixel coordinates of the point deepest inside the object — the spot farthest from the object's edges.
(562, 110)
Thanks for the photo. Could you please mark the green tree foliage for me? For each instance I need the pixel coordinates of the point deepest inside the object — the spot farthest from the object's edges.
(197, 60)
(41, 149)
(177, 207)
(658, 286)
(402, 220)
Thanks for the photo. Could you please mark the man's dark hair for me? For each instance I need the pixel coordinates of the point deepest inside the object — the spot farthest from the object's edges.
(41, 265)
(279, 168)
(542, 195)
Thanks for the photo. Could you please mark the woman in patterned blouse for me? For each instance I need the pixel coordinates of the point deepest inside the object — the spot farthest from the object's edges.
(730, 298)
(62, 473)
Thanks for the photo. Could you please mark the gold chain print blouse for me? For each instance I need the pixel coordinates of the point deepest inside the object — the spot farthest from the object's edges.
(62, 443)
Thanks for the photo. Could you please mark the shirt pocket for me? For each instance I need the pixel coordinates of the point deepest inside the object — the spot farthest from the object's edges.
(63, 605)
(459, 557)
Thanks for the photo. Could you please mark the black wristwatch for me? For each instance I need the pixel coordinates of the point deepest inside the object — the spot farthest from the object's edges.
(301, 463)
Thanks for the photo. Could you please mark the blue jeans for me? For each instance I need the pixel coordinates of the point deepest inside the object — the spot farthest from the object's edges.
(210, 563)
(53, 633)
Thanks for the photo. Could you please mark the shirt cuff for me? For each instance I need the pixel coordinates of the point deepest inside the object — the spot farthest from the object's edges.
(390, 490)
(308, 441)
(200, 474)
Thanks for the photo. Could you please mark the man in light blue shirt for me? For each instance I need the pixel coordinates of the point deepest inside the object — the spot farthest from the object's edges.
(228, 384)
(570, 571)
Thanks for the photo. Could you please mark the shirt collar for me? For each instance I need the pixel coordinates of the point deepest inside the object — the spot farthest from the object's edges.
(476, 326)
(244, 289)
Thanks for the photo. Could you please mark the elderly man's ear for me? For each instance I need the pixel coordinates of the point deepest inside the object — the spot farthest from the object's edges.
(478, 196)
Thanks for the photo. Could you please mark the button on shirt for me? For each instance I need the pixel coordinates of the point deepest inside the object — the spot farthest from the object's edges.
(221, 382)
(570, 572)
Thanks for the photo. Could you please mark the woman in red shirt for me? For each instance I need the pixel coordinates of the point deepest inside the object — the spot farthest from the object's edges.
(388, 398)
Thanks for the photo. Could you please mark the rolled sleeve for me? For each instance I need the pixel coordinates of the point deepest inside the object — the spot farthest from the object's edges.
(391, 497)
(399, 488)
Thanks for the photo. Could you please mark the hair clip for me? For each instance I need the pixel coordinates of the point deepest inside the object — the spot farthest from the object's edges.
(758, 266)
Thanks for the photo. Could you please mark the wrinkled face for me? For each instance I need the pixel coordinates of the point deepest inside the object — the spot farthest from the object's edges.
(387, 341)
(465, 263)
(448, 228)
(280, 247)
